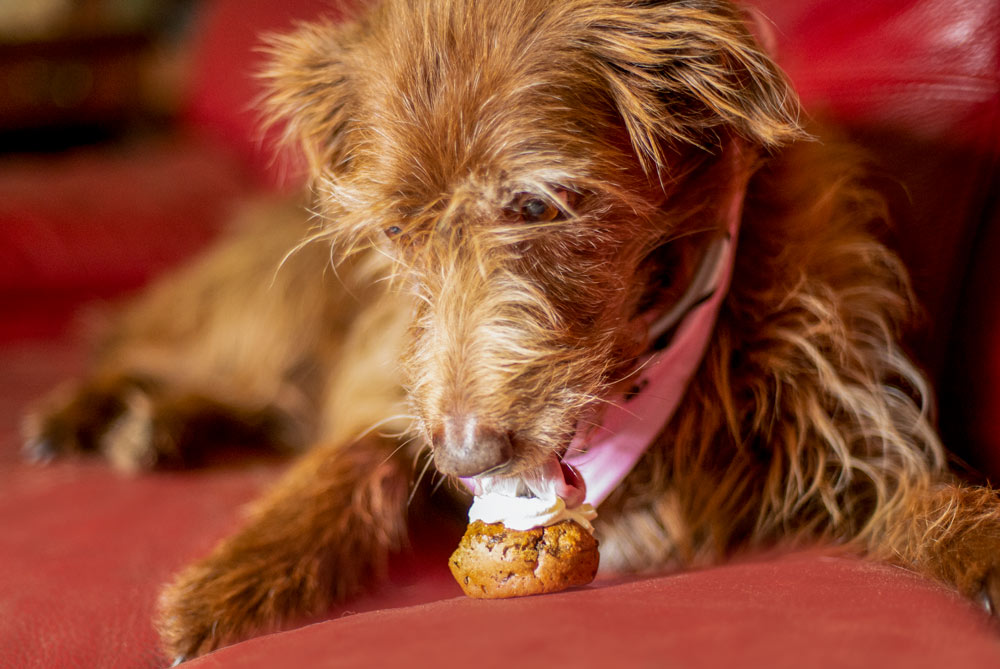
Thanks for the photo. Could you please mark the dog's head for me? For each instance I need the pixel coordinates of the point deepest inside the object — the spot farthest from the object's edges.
(542, 175)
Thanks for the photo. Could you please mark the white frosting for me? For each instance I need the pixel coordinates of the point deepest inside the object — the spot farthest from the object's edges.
(530, 500)
(525, 513)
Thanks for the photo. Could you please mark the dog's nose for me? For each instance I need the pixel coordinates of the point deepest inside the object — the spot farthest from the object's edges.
(464, 447)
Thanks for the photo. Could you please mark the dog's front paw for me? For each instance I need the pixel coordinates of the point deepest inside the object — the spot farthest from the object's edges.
(207, 607)
(251, 584)
(955, 538)
(989, 593)
(112, 416)
(139, 423)
(188, 616)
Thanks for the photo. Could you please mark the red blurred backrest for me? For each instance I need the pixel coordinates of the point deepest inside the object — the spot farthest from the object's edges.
(928, 66)
(917, 82)
(226, 58)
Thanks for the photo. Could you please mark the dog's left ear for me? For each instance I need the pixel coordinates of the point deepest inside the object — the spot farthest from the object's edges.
(308, 91)
(681, 70)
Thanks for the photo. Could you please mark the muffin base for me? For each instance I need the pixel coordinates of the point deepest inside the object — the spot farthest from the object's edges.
(493, 562)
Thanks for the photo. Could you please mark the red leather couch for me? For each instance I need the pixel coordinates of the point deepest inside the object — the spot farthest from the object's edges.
(83, 550)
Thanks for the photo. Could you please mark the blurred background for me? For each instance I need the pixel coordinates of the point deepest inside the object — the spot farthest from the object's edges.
(127, 135)
(81, 71)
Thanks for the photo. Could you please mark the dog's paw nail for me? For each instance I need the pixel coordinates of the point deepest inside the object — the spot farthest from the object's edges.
(179, 659)
(38, 451)
(984, 601)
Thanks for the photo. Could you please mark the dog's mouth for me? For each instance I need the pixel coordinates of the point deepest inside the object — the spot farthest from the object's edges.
(552, 492)
(554, 478)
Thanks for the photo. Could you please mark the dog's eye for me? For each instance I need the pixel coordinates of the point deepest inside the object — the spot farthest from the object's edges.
(537, 209)
(392, 231)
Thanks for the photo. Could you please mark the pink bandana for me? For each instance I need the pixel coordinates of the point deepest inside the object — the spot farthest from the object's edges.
(604, 454)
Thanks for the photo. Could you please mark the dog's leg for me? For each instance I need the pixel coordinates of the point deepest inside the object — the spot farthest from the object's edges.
(325, 531)
(323, 534)
(233, 350)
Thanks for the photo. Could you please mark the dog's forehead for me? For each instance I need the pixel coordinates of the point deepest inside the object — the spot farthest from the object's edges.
(476, 97)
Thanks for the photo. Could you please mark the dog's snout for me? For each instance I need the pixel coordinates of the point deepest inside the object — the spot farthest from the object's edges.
(465, 447)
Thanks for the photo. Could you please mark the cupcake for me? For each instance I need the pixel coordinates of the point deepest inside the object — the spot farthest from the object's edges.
(527, 535)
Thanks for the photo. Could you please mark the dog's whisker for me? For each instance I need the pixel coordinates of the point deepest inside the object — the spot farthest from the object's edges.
(597, 426)
(379, 423)
(588, 399)
(424, 450)
(441, 481)
(402, 445)
(635, 371)
(416, 484)
(320, 235)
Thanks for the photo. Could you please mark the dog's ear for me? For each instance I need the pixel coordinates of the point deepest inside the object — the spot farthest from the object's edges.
(681, 70)
(308, 92)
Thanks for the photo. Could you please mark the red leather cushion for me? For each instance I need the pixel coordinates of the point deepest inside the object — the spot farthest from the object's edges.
(926, 67)
(84, 551)
(805, 610)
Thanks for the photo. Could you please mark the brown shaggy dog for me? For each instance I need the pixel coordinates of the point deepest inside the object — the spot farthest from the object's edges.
(510, 189)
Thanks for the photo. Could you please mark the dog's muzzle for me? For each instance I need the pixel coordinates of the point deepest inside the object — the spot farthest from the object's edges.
(614, 439)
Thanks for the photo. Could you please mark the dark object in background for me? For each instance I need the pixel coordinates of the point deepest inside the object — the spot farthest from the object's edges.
(71, 90)
(87, 71)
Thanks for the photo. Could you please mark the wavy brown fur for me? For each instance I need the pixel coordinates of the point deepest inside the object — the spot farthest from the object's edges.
(427, 126)
(807, 419)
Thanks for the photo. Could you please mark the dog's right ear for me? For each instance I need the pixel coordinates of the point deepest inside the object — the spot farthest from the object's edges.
(681, 71)
(308, 91)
